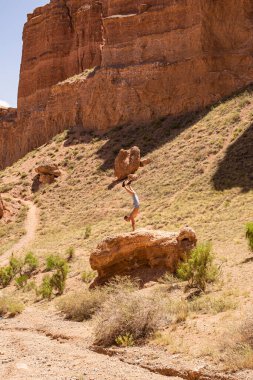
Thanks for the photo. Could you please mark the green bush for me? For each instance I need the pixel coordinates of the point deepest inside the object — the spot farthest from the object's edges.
(31, 285)
(199, 269)
(16, 265)
(31, 262)
(54, 262)
(88, 276)
(70, 253)
(125, 340)
(45, 290)
(6, 275)
(249, 234)
(58, 279)
(21, 281)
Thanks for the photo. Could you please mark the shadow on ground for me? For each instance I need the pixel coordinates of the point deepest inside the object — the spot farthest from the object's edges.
(236, 168)
(148, 137)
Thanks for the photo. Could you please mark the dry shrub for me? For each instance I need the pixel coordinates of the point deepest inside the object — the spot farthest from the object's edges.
(10, 306)
(82, 305)
(129, 314)
(238, 347)
(178, 309)
(212, 305)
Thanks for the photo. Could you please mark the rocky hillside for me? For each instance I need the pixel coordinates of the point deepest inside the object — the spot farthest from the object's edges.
(200, 175)
(101, 64)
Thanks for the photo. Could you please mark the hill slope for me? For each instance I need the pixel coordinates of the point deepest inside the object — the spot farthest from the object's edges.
(200, 175)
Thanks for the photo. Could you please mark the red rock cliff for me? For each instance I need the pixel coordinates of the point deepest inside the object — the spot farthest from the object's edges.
(109, 62)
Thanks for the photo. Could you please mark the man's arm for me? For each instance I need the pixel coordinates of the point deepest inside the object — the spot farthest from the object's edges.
(133, 223)
(130, 191)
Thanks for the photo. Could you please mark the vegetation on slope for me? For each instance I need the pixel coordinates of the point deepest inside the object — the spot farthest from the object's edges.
(200, 175)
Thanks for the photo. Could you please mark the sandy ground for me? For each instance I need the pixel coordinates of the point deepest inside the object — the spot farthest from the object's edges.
(38, 344)
(31, 224)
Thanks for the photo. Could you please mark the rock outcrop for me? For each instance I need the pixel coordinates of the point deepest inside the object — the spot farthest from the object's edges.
(1, 207)
(47, 173)
(130, 253)
(127, 162)
(100, 64)
(8, 136)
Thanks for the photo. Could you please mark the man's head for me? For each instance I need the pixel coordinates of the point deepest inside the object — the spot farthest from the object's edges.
(126, 218)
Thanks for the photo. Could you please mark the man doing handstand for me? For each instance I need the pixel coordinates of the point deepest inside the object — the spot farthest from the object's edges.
(135, 212)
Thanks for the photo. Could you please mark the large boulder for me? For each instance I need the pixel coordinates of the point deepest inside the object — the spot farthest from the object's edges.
(141, 252)
(47, 172)
(127, 162)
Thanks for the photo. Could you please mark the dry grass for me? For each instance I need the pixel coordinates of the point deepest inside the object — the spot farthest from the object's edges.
(10, 306)
(237, 347)
(129, 315)
(10, 233)
(184, 184)
(82, 305)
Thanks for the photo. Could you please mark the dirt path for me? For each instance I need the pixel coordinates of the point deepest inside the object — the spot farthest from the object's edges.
(39, 345)
(31, 224)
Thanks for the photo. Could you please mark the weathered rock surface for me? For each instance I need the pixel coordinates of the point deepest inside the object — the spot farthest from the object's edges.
(47, 172)
(1, 207)
(127, 162)
(143, 249)
(145, 161)
(145, 60)
(8, 142)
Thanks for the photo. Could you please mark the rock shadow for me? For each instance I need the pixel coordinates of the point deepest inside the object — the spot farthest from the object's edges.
(78, 135)
(35, 184)
(148, 137)
(236, 168)
(142, 276)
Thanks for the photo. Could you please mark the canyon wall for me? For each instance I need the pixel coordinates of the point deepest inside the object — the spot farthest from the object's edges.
(99, 64)
(8, 125)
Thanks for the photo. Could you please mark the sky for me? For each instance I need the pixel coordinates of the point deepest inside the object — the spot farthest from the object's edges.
(12, 18)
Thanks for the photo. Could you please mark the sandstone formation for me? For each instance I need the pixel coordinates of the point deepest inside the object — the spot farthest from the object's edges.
(47, 173)
(127, 162)
(1, 208)
(145, 161)
(142, 249)
(8, 137)
(100, 64)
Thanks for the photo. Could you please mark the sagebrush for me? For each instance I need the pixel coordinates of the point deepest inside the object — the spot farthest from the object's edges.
(199, 269)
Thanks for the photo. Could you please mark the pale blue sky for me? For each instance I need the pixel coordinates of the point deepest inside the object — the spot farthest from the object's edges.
(12, 18)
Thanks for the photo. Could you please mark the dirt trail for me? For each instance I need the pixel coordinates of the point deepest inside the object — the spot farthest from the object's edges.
(39, 345)
(31, 224)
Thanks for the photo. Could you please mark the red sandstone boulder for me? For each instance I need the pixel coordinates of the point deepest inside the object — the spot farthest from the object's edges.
(140, 252)
(47, 173)
(127, 162)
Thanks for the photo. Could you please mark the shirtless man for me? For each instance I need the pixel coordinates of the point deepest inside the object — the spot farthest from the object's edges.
(135, 212)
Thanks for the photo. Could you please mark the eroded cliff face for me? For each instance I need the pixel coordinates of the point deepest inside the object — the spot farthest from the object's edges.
(8, 124)
(103, 63)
